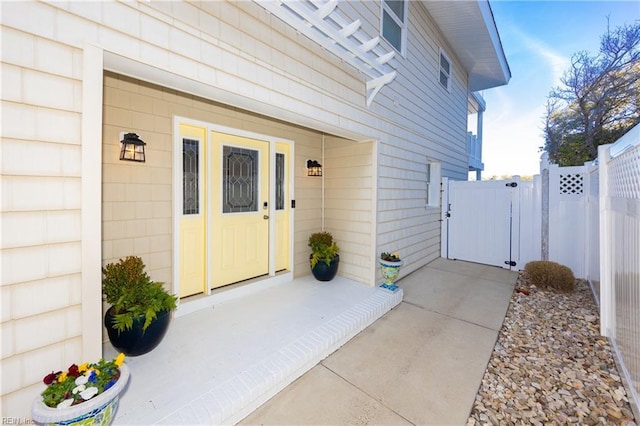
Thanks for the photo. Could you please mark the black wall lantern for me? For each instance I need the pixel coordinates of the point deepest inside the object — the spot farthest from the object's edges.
(132, 148)
(314, 168)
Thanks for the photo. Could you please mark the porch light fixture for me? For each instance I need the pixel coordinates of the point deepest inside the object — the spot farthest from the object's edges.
(314, 168)
(132, 148)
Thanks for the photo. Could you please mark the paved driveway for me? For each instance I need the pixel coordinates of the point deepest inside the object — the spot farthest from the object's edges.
(421, 363)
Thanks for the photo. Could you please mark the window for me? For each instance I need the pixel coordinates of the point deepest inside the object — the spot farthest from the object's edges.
(394, 23)
(445, 71)
(433, 184)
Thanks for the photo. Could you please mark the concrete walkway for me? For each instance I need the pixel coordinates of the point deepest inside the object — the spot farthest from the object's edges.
(421, 363)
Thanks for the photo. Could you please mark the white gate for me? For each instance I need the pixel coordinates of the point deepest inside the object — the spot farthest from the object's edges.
(481, 222)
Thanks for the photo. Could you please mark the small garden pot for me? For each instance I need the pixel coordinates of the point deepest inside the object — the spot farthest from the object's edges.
(99, 410)
(390, 270)
(135, 341)
(324, 272)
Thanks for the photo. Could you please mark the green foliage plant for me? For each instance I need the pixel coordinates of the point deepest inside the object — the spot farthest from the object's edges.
(322, 248)
(550, 275)
(132, 294)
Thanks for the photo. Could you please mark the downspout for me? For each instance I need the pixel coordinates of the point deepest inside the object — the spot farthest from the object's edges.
(322, 190)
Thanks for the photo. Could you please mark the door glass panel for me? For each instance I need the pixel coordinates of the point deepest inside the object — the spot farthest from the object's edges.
(190, 177)
(279, 181)
(239, 180)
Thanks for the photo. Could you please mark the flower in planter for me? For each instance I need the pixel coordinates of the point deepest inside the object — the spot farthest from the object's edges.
(390, 257)
(80, 382)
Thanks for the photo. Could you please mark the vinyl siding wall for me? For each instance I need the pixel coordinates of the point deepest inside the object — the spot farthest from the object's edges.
(419, 121)
(239, 56)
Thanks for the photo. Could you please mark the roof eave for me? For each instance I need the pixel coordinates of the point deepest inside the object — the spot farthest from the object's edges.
(479, 48)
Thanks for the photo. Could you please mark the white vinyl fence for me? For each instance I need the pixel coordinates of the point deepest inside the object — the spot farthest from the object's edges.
(593, 220)
(619, 241)
(586, 217)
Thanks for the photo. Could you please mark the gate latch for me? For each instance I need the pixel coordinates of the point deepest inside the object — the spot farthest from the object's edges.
(510, 262)
(511, 184)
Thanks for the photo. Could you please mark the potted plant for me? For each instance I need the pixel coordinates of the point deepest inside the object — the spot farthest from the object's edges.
(324, 258)
(140, 309)
(390, 264)
(84, 394)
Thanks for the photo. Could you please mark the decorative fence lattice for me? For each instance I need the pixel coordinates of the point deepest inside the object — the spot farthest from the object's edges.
(620, 253)
(571, 183)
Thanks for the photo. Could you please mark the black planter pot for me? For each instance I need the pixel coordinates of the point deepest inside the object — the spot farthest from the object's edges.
(324, 272)
(135, 341)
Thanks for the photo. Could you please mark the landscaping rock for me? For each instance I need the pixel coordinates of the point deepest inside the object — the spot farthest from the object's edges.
(550, 364)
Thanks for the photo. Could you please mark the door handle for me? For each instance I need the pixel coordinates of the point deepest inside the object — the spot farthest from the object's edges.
(265, 217)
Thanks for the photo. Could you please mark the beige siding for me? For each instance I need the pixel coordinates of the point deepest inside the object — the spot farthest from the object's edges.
(417, 121)
(137, 203)
(40, 244)
(242, 59)
(349, 208)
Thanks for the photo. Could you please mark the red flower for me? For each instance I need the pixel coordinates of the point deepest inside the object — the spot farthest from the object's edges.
(51, 377)
(73, 371)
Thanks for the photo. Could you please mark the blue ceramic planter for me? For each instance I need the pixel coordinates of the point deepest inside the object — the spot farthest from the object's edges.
(135, 341)
(324, 272)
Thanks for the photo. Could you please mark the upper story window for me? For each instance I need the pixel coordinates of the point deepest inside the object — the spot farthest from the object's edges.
(394, 23)
(445, 71)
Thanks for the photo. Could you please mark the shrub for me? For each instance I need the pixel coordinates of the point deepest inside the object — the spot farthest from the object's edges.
(130, 291)
(322, 248)
(550, 275)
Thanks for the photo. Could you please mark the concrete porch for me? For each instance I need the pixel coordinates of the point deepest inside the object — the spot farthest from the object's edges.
(217, 365)
(421, 363)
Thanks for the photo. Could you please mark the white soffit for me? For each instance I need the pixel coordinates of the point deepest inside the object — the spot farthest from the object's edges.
(321, 21)
(471, 31)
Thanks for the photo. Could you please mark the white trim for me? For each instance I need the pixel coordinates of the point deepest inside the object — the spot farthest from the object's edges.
(373, 241)
(402, 23)
(433, 183)
(91, 204)
(444, 223)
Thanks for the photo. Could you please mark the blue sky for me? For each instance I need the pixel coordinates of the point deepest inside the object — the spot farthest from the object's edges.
(538, 38)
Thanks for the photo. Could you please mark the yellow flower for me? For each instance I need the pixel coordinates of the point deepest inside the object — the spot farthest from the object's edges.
(119, 359)
(83, 367)
(62, 377)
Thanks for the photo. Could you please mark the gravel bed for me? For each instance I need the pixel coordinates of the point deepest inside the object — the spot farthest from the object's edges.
(550, 366)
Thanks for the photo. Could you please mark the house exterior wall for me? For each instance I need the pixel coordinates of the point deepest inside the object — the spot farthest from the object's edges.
(137, 215)
(349, 204)
(41, 200)
(240, 56)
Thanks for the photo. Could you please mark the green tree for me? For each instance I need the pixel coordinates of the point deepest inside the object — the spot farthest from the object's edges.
(598, 99)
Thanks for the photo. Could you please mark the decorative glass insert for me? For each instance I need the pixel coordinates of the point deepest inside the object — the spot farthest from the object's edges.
(445, 70)
(239, 180)
(280, 175)
(190, 176)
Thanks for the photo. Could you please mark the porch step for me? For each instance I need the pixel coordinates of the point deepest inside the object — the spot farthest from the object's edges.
(227, 401)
